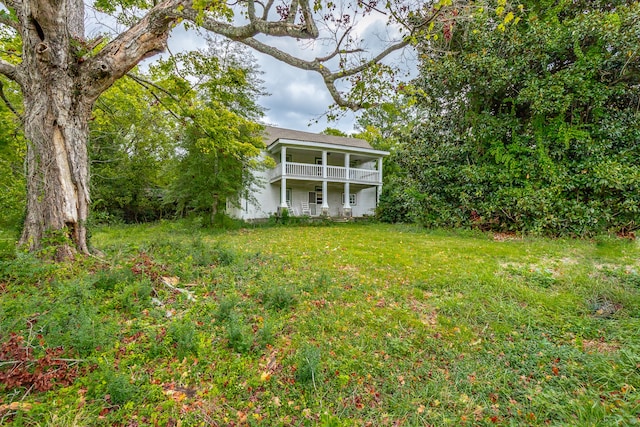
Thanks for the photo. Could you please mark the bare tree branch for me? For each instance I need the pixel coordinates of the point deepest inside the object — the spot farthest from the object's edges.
(13, 4)
(9, 70)
(338, 50)
(306, 30)
(146, 84)
(142, 40)
(293, 11)
(318, 66)
(5, 20)
(267, 9)
(8, 103)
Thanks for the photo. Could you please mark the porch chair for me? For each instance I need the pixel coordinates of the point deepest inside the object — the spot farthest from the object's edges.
(292, 211)
(306, 210)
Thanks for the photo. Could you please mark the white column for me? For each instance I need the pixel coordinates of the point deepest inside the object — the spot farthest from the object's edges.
(380, 180)
(325, 196)
(347, 206)
(283, 181)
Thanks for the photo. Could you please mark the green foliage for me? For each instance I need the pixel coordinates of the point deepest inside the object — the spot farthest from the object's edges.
(162, 144)
(531, 127)
(132, 145)
(12, 152)
(221, 142)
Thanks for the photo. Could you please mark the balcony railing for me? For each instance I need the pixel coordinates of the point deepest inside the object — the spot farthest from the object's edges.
(334, 173)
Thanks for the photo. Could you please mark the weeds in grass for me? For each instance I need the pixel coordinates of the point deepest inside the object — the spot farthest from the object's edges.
(119, 388)
(239, 334)
(224, 256)
(183, 335)
(108, 279)
(324, 281)
(333, 326)
(266, 334)
(308, 366)
(225, 309)
(278, 298)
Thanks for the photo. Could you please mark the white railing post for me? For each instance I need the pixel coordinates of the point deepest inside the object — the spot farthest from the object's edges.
(283, 181)
(347, 206)
(325, 203)
(324, 164)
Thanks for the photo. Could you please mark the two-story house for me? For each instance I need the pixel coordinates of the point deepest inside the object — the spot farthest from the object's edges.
(315, 175)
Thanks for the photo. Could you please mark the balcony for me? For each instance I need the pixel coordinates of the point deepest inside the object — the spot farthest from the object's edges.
(306, 171)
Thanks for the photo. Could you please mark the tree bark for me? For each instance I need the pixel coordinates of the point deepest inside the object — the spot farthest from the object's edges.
(57, 170)
(56, 127)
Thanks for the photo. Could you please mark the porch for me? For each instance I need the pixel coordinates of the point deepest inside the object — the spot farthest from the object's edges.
(333, 177)
(306, 171)
(313, 199)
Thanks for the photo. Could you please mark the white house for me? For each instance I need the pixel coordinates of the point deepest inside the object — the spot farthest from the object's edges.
(315, 175)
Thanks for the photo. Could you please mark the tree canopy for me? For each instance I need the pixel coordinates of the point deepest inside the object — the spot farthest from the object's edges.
(529, 127)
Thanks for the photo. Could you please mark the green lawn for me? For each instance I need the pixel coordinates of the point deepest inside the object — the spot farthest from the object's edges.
(340, 325)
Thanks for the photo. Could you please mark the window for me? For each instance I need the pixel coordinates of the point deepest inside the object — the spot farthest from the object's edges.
(288, 196)
(288, 158)
(319, 195)
(352, 199)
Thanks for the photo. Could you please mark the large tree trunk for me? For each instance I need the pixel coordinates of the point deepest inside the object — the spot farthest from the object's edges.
(56, 126)
(57, 170)
(61, 79)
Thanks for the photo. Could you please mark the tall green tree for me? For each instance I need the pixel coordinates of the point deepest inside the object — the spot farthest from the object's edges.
(387, 127)
(12, 147)
(531, 121)
(132, 151)
(221, 140)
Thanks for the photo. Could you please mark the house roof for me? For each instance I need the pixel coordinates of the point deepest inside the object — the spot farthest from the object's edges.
(274, 134)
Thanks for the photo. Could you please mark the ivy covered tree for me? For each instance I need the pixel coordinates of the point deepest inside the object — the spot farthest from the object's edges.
(531, 121)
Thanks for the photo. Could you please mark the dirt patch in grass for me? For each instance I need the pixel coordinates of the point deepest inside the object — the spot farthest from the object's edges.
(600, 346)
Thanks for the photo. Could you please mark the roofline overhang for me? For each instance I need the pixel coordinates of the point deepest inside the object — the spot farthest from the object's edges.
(272, 148)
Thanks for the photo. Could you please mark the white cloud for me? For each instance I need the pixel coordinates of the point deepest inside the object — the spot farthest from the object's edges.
(298, 99)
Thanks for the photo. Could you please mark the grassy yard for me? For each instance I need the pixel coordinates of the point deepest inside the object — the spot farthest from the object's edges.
(341, 325)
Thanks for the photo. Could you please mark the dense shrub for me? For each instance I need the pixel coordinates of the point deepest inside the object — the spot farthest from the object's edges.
(530, 127)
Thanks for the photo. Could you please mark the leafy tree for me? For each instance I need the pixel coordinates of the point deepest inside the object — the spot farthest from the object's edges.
(61, 75)
(11, 161)
(12, 190)
(334, 132)
(533, 126)
(387, 127)
(131, 148)
(221, 141)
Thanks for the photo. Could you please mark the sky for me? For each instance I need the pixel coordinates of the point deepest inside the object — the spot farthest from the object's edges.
(296, 99)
